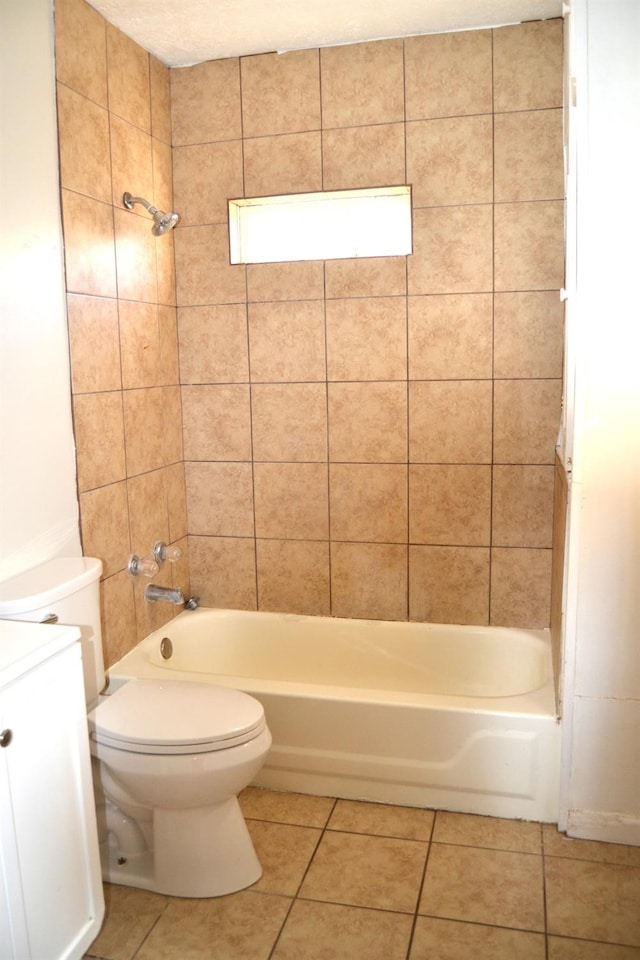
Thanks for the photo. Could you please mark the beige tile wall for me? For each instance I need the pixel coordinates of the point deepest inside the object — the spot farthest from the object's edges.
(115, 135)
(370, 438)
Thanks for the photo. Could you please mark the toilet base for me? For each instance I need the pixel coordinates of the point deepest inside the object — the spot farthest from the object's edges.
(203, 852)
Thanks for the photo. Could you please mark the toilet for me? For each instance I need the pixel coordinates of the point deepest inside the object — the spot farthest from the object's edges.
(169, 757)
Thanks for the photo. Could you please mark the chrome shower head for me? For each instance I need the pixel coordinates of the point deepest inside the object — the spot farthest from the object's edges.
(162, 222)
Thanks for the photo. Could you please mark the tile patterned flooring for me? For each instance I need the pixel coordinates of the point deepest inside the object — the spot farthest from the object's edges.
(347, 880)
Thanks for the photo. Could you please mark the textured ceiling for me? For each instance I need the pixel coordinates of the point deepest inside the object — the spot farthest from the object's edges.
(182, 32)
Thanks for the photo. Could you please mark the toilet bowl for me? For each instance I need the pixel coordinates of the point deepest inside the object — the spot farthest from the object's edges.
(169, 757)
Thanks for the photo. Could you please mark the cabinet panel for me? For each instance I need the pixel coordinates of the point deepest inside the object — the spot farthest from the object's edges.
(47, 782)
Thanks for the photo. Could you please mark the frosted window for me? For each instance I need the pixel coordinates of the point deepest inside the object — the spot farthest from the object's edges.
(333, 225)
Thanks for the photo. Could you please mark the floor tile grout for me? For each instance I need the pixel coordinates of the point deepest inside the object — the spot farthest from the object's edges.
(429, 845)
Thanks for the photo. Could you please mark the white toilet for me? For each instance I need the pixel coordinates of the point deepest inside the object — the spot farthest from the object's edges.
(170, 757)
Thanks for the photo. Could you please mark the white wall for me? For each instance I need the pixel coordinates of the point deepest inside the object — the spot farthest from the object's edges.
(601, 764)
(38, 502)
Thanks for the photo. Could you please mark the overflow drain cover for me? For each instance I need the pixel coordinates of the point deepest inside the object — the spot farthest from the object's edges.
(166, 648)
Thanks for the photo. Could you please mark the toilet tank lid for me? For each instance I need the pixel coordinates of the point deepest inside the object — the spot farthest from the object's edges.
(47, 583)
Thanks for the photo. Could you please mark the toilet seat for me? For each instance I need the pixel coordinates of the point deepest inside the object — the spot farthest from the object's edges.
(176, 717)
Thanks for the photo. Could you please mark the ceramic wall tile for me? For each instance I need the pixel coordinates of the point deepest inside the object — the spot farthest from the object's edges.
(369, 580)
(168, 370)
(452, 250)
(203, 272)
(83, 130)
(450, 421)
(449, 584)
(450, 336)
(528, 334)
(299, 280)
(369, 277)
(99, 432)
(131, 161)
(370, 156)
(148, 511)
(136, 262)
(105, 526)
(369, 502)
(219, 499)
(95, 344)
(362, 84)
(143, 424)
(206, 176)
(520, 587)
(450, 504)
(368, 422)
(213, 344)
(289, 421)
(344, 329)
(216, 422)
(291, 501)
(165, 262)
(139, 343)
(293, 575)
(160, 80)
(117, 608)
(172, 434)
(280, 93)
(81, 49)
(522, 506)
(89, 245)
(162, 162)
(450, 161)
(448, 74)
(289, 163)
(527, 64)
(129, 81)
(529, 246)
(529, 156)
(205, 102)
(223, 571)
(287, 341)
(367, 338)
(526, 420)
(176, 501)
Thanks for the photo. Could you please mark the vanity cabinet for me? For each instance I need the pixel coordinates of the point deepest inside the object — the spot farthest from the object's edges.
(51, 899)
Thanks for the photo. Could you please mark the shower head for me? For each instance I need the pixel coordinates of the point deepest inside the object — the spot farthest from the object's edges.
(162, 222)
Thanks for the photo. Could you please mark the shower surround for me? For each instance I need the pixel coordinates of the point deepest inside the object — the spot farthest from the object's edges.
(368, 438)
(375, 438)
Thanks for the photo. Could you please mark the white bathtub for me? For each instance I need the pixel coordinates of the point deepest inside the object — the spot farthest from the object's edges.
(457, 718)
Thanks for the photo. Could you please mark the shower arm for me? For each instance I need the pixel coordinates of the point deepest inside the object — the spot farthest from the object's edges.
(129, 202)
(162, 222)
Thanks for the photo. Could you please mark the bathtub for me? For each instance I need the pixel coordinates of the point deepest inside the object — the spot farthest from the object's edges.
(429, 715)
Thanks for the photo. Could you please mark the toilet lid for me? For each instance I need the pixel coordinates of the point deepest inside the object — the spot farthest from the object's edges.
(152, 716)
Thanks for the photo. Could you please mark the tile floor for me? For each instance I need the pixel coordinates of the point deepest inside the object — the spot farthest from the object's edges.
(346, 880)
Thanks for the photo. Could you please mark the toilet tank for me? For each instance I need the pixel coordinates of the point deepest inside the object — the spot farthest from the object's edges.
(68, 589)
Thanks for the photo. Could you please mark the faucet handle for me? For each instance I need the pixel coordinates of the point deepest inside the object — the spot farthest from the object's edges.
(163, 551)
(146, 566)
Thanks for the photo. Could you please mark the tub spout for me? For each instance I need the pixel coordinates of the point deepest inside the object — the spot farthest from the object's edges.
(154, 592)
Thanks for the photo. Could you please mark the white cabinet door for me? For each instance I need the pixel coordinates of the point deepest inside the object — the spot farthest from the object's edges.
(46, 773)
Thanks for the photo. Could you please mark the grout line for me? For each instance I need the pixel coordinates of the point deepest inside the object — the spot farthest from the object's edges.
(295, 897)
(544, 896)
(421, 887)
(151, 928)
